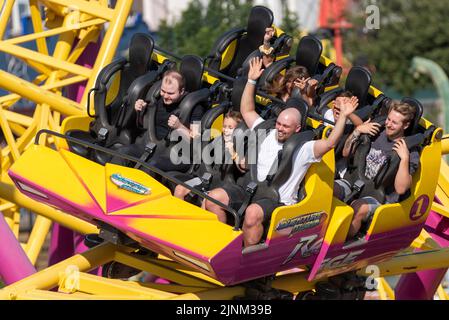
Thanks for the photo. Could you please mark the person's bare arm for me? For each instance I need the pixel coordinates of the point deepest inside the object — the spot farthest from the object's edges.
(238, 161)
(247, 104)
(322, 146)
(371, 128)
(355, 119)
(188, 133)
(403, 179)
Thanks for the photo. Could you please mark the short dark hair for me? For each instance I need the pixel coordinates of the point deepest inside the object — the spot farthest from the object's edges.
(177, 76)
(345, 94)
(235, 115)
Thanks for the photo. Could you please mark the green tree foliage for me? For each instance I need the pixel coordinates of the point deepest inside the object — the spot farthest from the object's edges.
(200, 26)
(408, 28)
(290, 21)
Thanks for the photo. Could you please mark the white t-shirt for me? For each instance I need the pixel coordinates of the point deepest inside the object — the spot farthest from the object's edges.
(302, 159)
(328, 114)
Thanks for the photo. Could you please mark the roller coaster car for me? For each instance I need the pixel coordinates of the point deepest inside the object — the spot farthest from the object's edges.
(232, 49)
(310, 234)
(393, 226)
(118, 86)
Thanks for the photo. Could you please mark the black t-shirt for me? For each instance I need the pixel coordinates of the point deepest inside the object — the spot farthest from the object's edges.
(381, 149)
(163, 112)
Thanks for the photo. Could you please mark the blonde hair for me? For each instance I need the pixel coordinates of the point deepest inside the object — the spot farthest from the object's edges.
(403, 108)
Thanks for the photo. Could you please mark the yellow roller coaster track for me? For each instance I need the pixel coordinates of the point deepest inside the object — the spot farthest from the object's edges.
(76, 24)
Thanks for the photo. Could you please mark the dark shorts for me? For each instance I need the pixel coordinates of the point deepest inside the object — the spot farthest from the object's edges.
(268, 206)
(236, 195)
(373, 204)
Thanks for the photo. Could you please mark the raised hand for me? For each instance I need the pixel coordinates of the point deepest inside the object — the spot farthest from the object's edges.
(300, 83)
(349, 106)
(140, 105)
(255, 68)
(311, 87)
(401, 149)
(371, 128)
(269, 33)
(173, 122)
(354, 101)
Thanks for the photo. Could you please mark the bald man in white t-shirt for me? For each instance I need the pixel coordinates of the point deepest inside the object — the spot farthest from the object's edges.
(287, 123)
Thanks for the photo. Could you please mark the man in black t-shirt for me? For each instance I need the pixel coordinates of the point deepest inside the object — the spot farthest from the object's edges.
(172, 92)
(400, 116)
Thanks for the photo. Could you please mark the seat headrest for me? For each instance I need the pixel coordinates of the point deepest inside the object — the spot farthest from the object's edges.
(140, 50)
(273, 70)
(237, 92)
(192, 68)
(308, 53)
(243, 71)
(418, 114)
(358, 82)
(212, 114)
(301, 106)
(259, 19)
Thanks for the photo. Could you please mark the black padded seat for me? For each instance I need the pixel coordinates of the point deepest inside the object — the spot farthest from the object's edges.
(191, 68)
(114, 115)
(414, 125)
(358, 83)
(308, 55)
(248, 40)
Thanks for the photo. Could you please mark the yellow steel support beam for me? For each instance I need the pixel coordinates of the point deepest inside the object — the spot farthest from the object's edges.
(37, 94)
(438, 208)
(213, 294)
(5, 14)
(424, 242)
(442, 294)
(294, 282)
(49, 295)
(384, 289)
(51, 62)
(173, 288)
(112, 287)
(17, 129)
(413, 262)
(8, 100)
(172, 275)
(9, 137)
(49, 278)
(36, 20)
(110, 41)
(21, 143)
(445, 144)
(53, 32)
(18, 118)
(6, 206)
(37, 237)
(173, 265)
(89, 7)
